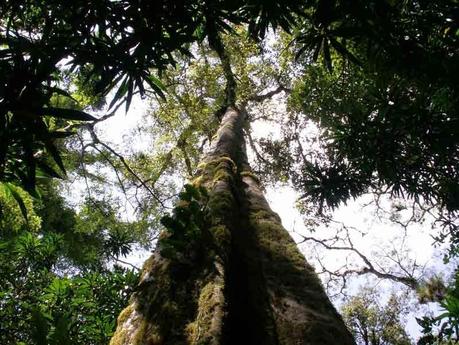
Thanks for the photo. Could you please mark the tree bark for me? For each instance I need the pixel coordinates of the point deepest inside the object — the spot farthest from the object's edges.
(241, 280)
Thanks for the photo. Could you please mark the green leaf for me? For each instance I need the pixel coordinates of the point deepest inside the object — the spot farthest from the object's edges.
(52, 149)
(156, 85)
(60, 334)
(119, 93)
(200, 33)
(130, 92)
(12, 191)
(318, 48)
(61, 92)
(309, 42)
(69, 114)
(300, 52)
(327, 57)
(46, 170)
(344, 52)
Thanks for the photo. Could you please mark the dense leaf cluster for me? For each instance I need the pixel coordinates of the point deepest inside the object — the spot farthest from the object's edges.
(57, 283)
(373, 323)
(41, 306)
(388, 108)
(444, 327)
(187, 225)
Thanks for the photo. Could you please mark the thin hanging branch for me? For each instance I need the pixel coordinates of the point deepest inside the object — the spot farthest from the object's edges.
(143, 183)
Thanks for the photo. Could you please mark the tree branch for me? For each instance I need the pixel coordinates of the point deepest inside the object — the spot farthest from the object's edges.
(263, 97)
(96, 140)
(408, 280)
(216, 44)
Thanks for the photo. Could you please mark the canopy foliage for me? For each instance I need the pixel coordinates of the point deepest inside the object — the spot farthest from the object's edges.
(377, 79)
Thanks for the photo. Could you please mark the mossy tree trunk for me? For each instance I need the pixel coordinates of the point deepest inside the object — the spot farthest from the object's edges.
(226, 271)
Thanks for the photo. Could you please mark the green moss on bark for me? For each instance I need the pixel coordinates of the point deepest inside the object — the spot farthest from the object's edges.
(301, 310)
(221, 235)
(206, 329)
(220, 203)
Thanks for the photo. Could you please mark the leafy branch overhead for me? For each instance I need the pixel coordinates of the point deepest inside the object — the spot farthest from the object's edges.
(103, 49)
(385, 106)
(105, 45)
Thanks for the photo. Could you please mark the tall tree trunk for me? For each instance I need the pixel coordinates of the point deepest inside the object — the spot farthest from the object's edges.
(239, 279)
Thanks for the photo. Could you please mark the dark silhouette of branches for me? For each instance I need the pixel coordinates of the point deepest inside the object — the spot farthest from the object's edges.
(357, 263)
